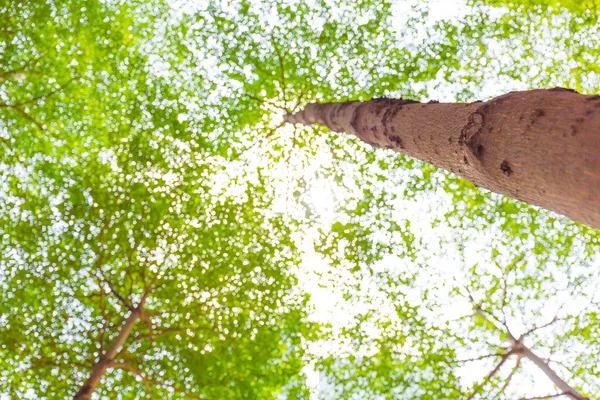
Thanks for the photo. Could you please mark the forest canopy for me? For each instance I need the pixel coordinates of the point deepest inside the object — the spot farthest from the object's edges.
(165, 235)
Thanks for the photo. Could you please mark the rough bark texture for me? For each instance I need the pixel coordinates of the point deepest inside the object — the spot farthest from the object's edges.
(539, 146)
(106, 359)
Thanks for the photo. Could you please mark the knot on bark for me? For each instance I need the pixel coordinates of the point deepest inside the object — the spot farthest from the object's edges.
(472, 128)
(288, 118)
(518, 349)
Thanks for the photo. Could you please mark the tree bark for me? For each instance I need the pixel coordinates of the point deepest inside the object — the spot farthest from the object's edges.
(106, 359)
(560, 383)
(539, 146)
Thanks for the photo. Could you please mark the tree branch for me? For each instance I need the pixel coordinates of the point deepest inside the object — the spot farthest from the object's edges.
(104, 321)
(26, 116)
(509, 377)
(282, 71)
(146, 380)
(480, 358)
(41, 97)
(24, 67)
(490, 375)
(530, 331)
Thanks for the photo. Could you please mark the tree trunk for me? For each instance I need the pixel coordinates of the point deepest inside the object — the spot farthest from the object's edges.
(106, 359)
(539, 146)
(567, 390)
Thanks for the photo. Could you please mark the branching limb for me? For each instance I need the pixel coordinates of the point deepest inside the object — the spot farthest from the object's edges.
(298, 102)
(99, 368)
(261, 100)
(509, 377)
(282, 72)
(114, 291)
(530, 331)
(147, 380)
(490, 375)
(25, 115)
(560, 383)
(24, 67)
(481, 357)
(41, 97)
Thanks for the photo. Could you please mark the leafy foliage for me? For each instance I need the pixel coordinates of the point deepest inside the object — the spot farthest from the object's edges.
(143, 163)
(573, 6)
(110, 197)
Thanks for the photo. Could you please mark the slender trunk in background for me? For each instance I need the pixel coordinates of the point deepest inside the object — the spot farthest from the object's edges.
(539, 146)
(106, 359)
(567, 390)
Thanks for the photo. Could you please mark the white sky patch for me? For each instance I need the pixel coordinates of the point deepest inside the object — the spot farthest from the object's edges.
(447, 9)
(321, 197)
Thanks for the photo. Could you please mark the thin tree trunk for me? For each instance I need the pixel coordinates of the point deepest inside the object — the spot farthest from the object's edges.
(99, 369)
(539, 146)
(545, 368)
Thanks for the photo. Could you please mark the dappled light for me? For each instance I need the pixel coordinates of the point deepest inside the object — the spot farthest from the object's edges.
(176, 221)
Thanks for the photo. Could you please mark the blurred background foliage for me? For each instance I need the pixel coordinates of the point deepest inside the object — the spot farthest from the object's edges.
(576, 7)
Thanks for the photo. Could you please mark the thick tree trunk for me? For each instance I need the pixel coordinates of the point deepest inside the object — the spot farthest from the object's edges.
(106, 359)
(539, 146)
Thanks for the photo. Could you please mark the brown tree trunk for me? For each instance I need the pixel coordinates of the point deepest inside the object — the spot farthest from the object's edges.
(106, 359)
(539, 146)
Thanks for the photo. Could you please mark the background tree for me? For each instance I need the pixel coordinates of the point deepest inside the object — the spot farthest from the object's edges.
(134, 263)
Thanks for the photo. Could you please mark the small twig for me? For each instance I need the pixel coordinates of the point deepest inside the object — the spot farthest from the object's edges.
(479, 308)
(287, 160)
(137, 372)
(481, 357)
(550, 396)
(102, 278)
(529, 332)
(268, 135)
(505, 287)
(282, 71)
